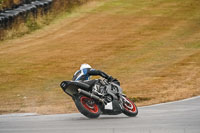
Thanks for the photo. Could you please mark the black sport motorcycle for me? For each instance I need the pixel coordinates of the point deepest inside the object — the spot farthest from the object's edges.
(95, 97)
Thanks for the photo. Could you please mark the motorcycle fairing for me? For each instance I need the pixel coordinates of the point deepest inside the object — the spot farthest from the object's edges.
(109, 106)
(116, 109)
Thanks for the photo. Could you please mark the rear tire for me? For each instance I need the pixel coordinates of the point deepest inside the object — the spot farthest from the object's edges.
(130, 109)
(85, 107)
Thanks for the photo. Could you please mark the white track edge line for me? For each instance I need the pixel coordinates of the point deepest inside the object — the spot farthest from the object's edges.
(182, 100)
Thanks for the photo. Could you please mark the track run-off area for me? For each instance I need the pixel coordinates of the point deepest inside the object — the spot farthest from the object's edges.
(174, 117)
(151, 47)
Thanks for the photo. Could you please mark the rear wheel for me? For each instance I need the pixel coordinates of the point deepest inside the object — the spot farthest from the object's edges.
(87, 107)
(130, 109)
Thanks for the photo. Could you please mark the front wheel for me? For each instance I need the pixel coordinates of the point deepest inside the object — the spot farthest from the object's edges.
(130, 109)
(87, 107)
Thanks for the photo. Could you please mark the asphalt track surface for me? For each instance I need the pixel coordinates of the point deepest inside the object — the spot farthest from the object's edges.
(174, 117)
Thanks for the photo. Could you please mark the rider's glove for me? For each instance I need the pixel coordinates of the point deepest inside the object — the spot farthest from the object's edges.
(110, 79)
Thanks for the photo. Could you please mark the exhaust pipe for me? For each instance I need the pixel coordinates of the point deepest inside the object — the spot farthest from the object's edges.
(91, 95)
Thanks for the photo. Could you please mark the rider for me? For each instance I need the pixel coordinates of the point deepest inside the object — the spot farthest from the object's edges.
(86, 71)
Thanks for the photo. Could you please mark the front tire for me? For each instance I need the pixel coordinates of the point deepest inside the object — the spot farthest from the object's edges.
(87, 107)
(129, 107)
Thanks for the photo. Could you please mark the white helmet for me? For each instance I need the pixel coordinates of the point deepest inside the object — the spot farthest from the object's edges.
(83, 66)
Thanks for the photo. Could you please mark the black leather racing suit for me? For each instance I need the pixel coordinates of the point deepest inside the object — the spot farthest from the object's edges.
(84, 76)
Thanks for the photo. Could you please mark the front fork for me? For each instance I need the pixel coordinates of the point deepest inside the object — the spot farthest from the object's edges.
(121, 102)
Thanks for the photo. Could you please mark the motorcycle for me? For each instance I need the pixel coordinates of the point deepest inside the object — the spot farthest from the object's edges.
(103, 98)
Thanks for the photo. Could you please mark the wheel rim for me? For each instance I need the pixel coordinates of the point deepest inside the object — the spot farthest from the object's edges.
(89, 104)
(129, 105)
